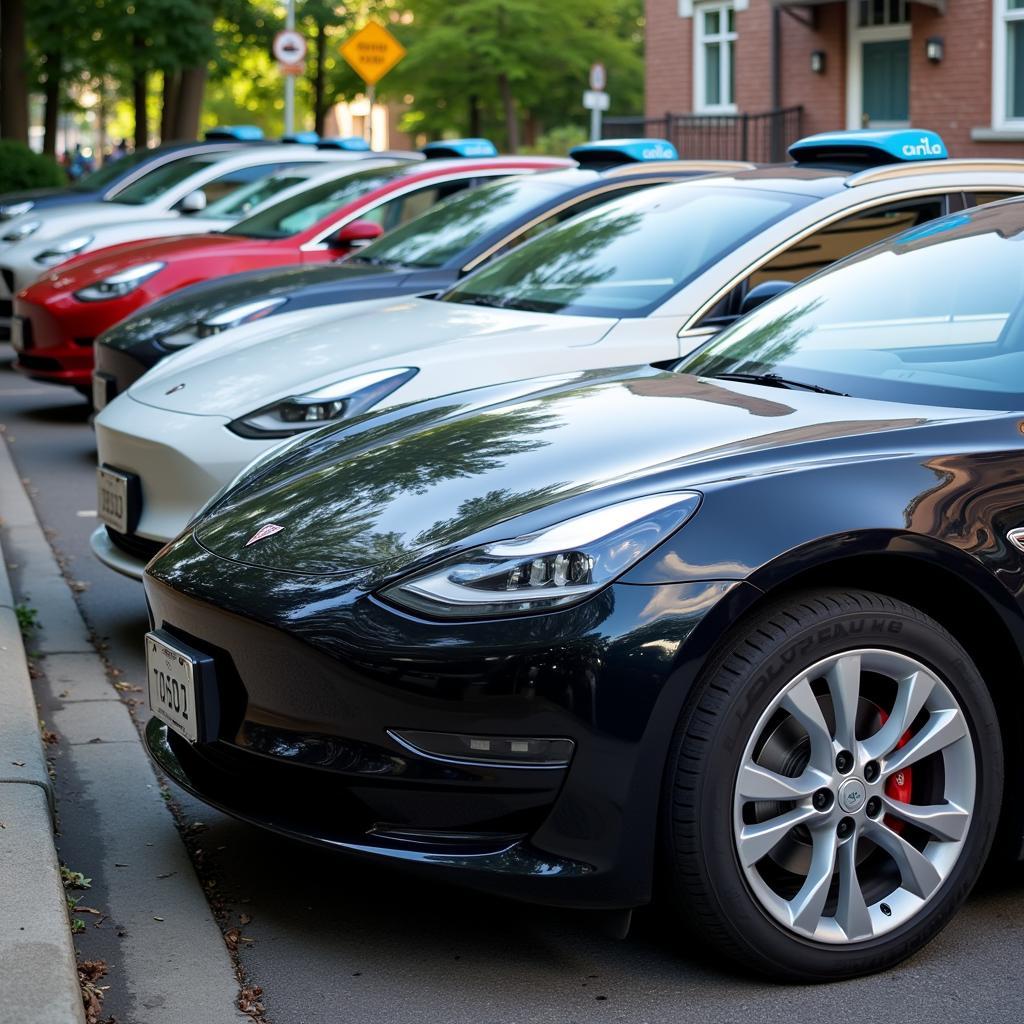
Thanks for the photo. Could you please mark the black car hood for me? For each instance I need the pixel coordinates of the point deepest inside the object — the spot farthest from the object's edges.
(394, 489)
(302, 286)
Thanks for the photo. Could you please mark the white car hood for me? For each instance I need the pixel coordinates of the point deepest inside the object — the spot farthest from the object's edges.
(78, 217)
(236, 373)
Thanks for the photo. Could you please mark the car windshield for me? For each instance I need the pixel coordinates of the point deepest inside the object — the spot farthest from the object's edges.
(302, 211)
(241, 202)
(625, 258)
(111, 170)
(156, 182)
(934, 316)
(453, 226)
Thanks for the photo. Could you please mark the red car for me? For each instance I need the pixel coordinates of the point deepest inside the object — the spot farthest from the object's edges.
(57, 318)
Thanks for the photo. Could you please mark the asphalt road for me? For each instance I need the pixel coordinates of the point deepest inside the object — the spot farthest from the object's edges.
(335, 941)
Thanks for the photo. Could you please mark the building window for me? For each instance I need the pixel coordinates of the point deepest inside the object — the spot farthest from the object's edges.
(1008, 64)
(714, 51)
(871, 13)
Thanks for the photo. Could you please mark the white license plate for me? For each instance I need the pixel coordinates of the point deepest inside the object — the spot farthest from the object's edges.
(17, 333)
(172, 687)
(112, 498)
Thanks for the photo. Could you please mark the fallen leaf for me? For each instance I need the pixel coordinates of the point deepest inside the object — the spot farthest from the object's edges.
(167, 875)
(18, 764)
(244, 919)
(157, 918)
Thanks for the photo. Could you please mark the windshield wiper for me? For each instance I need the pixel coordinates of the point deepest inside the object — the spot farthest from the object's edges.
(774, 380)
(374, 261)
(481, 300)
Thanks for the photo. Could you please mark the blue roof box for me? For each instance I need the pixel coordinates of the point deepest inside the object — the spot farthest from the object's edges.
(235, 133)
(612, 152)
(350, 143)
(868, 147)
(459, 148)
(302, 138)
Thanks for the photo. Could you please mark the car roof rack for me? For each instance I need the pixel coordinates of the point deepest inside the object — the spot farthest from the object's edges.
(694, 166)
(868, 147)
(603, 154)
(447, 149)
(977, 166)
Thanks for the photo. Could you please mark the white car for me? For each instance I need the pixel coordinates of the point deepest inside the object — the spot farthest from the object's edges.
(159, 202)
(644, 278)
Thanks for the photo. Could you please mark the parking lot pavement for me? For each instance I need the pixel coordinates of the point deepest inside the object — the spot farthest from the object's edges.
(334, 940)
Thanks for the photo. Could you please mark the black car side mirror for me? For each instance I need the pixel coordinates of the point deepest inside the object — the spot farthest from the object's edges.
(761, 293)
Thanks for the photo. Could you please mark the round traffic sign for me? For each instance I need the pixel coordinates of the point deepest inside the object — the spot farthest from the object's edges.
(598, 77)
(289, 46)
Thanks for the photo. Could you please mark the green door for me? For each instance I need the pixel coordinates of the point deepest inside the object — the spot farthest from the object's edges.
(885, 69)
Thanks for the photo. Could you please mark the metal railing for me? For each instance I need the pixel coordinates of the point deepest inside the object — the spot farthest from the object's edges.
(762, 138)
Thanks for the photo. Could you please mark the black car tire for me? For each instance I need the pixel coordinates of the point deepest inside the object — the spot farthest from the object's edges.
(710, 889)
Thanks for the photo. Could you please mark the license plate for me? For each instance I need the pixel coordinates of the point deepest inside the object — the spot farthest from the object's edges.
(102, 390)
(112, 498)
(172, 686)
(17, 334)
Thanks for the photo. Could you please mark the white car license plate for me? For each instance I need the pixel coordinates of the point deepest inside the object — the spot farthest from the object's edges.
(112, 498)
(17, 334)
(172, 687)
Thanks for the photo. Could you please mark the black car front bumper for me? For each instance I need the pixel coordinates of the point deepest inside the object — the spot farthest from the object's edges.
(312, 673)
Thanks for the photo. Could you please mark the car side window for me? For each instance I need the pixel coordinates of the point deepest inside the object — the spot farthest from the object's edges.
(403, 208)
(981, 198)
(228, 183)
(833, 242)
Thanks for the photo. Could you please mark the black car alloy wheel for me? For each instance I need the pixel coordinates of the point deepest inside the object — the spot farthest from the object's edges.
(834, 787)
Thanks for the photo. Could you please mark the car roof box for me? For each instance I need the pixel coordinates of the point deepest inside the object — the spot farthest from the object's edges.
(606, 153)
(235, 133)
(301, 138)
(349, 143)
(455, 148)
(868, 147)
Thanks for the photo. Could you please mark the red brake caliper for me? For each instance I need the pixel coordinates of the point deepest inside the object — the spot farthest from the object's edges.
(899, 785)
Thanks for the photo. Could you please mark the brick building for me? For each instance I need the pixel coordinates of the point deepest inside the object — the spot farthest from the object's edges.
(956, 66)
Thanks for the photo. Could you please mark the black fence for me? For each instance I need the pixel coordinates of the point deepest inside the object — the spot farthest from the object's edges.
(762, 138)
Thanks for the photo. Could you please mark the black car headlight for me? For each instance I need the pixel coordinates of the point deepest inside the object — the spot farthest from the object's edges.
(61, 251)
(341, 400)
(550, 569)
(233, 317)
(8, 211)
(119, 284)
(22, 230)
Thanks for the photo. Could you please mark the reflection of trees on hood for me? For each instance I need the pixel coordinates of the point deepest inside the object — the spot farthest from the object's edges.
(474, 514)
(332, 499)
(755, 349)
(557, 267)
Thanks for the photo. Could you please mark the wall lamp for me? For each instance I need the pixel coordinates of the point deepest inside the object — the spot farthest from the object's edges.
(935, 49)
(818, 62)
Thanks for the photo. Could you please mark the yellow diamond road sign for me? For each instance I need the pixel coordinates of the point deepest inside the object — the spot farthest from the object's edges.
(372, 51)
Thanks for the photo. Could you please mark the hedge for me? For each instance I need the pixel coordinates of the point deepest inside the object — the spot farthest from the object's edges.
(20, 168)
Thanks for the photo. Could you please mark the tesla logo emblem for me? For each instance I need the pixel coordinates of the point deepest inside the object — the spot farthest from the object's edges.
(264, 532)
(177, 387)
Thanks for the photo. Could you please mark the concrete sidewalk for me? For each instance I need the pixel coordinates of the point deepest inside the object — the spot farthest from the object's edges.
(171, 964)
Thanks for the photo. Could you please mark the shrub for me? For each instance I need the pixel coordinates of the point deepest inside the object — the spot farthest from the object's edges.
(21, 168)
(558, 141)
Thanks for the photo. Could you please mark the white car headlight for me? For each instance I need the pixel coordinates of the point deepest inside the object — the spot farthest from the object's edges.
(547, 570)
(225, 320)
(60, 251)
(23, 230)
(341, 400)
(119, 284)
(9, 211)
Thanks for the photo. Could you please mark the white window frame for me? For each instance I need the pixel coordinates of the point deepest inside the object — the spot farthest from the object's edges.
(723, 37)
(856, 37)
(1002, 15)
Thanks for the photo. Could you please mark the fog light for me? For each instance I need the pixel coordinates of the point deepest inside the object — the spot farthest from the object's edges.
(506, 751)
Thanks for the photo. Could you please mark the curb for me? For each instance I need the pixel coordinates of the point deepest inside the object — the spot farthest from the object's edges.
(38, 969)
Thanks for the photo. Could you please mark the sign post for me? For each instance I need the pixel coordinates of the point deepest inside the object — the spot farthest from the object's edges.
(289, 51)
(596, 100)
(372, 52)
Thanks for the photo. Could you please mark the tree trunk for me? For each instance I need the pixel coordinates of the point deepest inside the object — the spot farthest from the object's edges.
(511, 116)
(102, 116)
(319, 106)
(474, 116)
(13, 72)
(51, 92)
(139, 94)
(169, 104)
(190, 103)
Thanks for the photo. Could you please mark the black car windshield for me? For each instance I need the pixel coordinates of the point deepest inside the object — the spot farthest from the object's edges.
(110, 171)
(458, 223)
(302, 211)
(934, 316)
(625, 258)
(156, 182)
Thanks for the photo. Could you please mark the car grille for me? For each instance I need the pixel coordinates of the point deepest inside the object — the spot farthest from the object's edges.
(132, 544)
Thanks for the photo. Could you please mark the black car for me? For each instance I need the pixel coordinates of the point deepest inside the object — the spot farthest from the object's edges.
(425, 256)
(752, 628)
